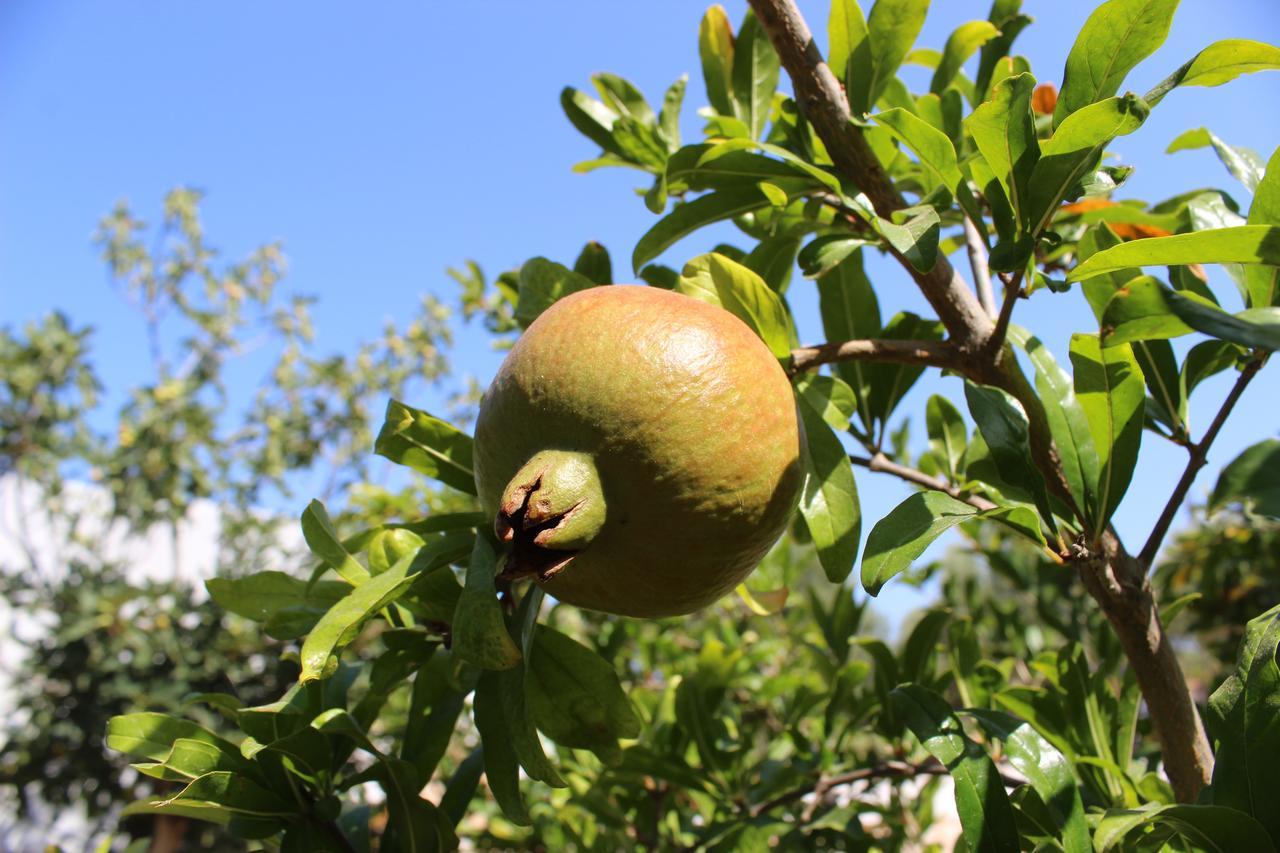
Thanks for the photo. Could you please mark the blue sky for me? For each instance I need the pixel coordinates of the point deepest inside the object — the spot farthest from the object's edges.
(384, 142)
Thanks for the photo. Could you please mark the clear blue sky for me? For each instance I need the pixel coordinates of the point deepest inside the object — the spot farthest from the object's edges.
(384, 142)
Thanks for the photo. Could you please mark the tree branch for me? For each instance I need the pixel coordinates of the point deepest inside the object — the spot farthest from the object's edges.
(978, 263)
(1199, 453)
(819, 96)
(1012, 290)
(1115, 579)
(882, 463)
(887, 770)
(932, 353)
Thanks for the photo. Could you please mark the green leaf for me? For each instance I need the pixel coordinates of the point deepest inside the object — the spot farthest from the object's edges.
(1251, 478)
(916, 238)
(1220, 62)
(322, 539)
(715, 279)
(338, 627)
(1206, 359)
(892, 27)
(233, 792)
(755, 75)
(669, 118)
(1068, 423)
(1004, 130)
(829, 503)
(961, 44)
(823, 254)
(1075, 149)
(1047, 770)
(263, 595)
(849, 310)
(152, 735)
(480, 635)
(904, 534)
(1117, 36)
(773, 259)
(1005, 428)
(986, 816)
(428, 445)
(1111, 391)
(830, 397)
(847, 48)
(519, 725)
(1253, 327)
(715, 47)
(1244, 164)
(919, 653)
(592, 119)
(1265, 209)
(575, 697)
(1164, 386)
(414, 823)
(935, 151)
(889, 383)
(1139, 312)
(1006, 17)
(1242, 718)
(501, 769)
(622, 97)
(948, 435)
(542, 282)
(1215, 829)
(689, 216)
(1244, 244)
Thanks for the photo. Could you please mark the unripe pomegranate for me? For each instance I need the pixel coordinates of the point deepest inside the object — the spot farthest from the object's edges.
(639, 450)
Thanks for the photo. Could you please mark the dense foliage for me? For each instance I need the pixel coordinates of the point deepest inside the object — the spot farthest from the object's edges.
(1043, 694)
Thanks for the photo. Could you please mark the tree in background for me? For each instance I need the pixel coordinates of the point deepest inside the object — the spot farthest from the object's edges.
(1048, 689)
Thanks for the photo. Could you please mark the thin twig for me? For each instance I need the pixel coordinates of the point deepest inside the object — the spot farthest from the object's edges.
(978, 263)
(882, 463)
(887, 770)
(932, 353)
(1199, 457)
(1012, 290)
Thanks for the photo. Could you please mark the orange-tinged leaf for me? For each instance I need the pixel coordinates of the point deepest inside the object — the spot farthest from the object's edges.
(1086, 205)
(1137, 231)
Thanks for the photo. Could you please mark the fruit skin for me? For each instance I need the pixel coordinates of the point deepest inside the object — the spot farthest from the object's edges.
(692, 429)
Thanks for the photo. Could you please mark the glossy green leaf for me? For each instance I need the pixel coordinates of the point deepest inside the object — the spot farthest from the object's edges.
(755, 75)
(591, 118)
(1048, 771)
(1244, 164)
(413, 822)
(1244, 244)
(1007, 18)
(1004, 131)
(1005, 428)
(904, 534)
(1263, 282)
(947, 432)
(1220, 62)
(480, 635)
(1117, 36)
(428, 445)
(773, 259)
(892, 28)
(1206, 359)
(689, 216)
(574, 696)
(1242, 718)
(823, 254)
(961, 44)
(916, 237)
(322, 539)
(1075, 149)
(829, 503)
(889, 383)
(986, 816)
(260, 596)
(1164, 387)
(519, 724)
(849, 310)
(501, 770)
(389, 546)
(152, 735)
(1139, 312)
(1253, 327)
(715, 279)
(1109, 386)
(621, 95)
(669, 117)
(847, 49)
(234, 792)
(1253, 477)
(542, 282)
(920, 651)
(339, 625)
(715, 47)
(1208, 828)
(935, 151)
(829, 396)
(1068, 423)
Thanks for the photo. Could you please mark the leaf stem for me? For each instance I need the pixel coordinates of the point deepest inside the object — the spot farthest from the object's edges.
(880, 462)
(1199, 457)
(931, 353)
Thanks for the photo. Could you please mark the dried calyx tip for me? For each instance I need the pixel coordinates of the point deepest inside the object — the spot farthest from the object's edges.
(551, 510)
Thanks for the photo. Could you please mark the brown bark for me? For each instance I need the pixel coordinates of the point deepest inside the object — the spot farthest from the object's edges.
(1116, 580)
